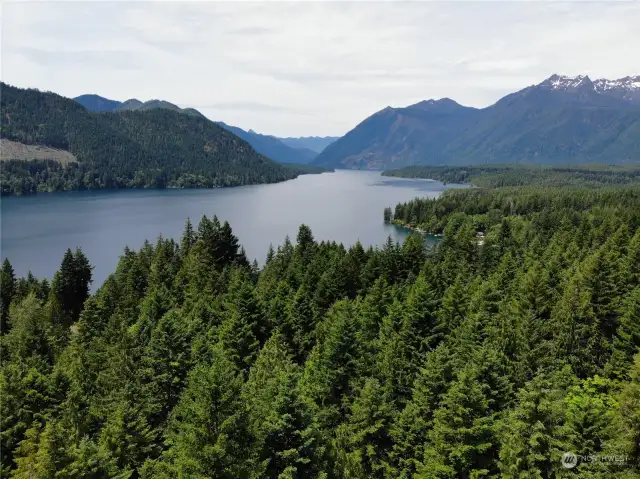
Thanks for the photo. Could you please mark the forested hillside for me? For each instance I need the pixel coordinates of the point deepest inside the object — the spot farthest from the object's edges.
(474, 359)
(154, 148)
(495, 176)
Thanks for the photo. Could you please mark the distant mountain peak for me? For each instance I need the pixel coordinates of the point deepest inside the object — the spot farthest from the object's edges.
(131, 102)
(272, 147)
(563, 82)
(441, 104)
(93, 102)
(564, 119)
(627, 83)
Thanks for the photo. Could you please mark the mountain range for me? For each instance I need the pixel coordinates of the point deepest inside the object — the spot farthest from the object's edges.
(562, 120)
(313, 143)
(97, 103)
(283, 150)
(140, 145)
(272, 147)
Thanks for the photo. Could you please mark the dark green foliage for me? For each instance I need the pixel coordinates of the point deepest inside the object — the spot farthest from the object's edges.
(206, 433)
(287, 443)
(7, 291)
(479, 357)
(70, 285)
(148, 148)
(495, 176)
(462, 441)
(363, 440)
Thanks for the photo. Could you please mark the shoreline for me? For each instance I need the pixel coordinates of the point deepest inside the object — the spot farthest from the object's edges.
(399, 224)
(172, 187)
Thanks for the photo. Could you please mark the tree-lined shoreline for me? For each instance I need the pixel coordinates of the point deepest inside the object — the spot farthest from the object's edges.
(467, 359)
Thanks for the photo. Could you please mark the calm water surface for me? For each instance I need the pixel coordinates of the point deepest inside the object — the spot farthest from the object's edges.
(344, 206)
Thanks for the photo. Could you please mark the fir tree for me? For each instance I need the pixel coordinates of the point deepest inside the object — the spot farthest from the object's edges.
(363, 440)
(287, 441)
(7, 291)
(462, 442)
(206, 435)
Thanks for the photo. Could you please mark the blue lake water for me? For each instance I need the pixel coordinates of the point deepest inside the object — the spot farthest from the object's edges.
(345, 206)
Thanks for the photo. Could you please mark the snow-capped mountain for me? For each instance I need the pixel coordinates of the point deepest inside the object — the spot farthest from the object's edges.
(562, 120)
(627, 88)
(626, 83)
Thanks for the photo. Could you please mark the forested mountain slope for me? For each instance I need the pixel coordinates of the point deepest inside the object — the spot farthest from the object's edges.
(395, 137)
(269, 146)
(561, 120)
(474, 359)
(151, 148)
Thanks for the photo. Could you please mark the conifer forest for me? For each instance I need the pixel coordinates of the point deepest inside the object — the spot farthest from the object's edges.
(508, 350)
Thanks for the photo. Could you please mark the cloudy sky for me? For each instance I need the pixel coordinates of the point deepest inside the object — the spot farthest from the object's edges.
(305, 68)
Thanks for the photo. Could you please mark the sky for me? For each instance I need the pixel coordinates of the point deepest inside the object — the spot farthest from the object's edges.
(311, 68)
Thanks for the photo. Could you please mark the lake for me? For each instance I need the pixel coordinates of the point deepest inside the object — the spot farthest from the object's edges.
(345, 206)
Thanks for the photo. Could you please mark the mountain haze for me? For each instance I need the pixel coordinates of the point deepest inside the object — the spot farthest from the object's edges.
(313, 143)
(561, 120)
(273, 147)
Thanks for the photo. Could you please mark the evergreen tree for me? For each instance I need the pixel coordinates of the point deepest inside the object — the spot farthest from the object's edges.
(127, 440)
(243, 327)
(188, 238)
(412, 425)
(363, 440)
(588, 411)
(287, 441)
(577, 339)
(7, 292)
(421, 327)
(167, 361)
(270, 254)
(413, 253)
(626, 342)
(530, 434)
(207, 435)
(625, 432)
(462, 442)
(453, 307)
(299, 324)
(633, 260)
(42, 453)
(332, 363)
(397, 361)
(71, 285)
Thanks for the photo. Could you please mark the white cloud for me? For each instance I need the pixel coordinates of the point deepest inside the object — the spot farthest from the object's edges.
(311, 68)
